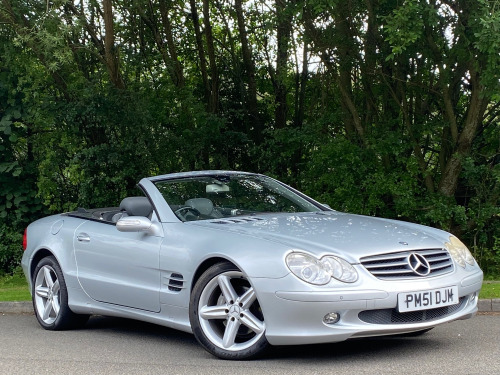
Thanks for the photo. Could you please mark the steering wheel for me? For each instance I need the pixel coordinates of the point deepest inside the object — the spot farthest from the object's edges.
(188, 209)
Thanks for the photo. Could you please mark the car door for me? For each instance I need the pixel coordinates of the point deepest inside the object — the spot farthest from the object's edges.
(116, 267)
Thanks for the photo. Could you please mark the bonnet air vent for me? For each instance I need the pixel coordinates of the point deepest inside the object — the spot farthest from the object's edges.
(238, 221)
(176, 282)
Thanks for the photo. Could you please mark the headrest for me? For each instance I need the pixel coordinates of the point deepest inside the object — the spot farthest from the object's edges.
(136, 206)
(204, 205)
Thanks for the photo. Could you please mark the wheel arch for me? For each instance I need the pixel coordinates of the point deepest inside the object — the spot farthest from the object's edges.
(39, 255)
(206, 264)
(210, 331)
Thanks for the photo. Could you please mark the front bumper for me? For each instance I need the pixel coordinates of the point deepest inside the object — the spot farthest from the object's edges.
(294, 311)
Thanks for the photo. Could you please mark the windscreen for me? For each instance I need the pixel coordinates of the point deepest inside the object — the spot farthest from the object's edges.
(219, 196)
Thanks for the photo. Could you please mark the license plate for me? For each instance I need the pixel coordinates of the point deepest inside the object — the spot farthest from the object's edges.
(427, 299)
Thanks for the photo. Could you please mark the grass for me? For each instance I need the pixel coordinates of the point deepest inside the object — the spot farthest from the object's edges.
(490, 289)
(15, 288)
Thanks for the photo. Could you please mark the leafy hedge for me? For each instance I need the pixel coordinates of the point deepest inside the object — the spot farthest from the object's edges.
(367, 106)
(10, 249)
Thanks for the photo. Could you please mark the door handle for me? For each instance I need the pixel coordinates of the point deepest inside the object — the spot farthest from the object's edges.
(83, 237)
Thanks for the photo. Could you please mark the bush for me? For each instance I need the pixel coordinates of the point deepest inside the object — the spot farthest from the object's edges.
(489, 259)
(10, 249)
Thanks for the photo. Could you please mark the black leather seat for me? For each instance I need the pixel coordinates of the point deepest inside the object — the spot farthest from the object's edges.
(134, 206)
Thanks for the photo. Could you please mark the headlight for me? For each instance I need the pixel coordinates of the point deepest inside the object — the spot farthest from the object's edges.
(459, 252)
(307, 268)
(320, 271)
(340, 269)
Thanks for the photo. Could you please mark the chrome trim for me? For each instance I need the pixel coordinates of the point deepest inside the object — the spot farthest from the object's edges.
(409, 264)
(419, 265)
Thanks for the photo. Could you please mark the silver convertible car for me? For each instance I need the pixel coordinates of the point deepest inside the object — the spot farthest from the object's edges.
(243, 261)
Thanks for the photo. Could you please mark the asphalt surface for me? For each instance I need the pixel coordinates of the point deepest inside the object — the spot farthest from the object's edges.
(119, 346)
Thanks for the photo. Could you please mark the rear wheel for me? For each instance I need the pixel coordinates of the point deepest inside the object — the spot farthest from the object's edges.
(225, 314)
(50, 297)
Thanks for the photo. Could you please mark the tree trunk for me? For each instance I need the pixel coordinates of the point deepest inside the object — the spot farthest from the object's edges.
(213, 104)
(369, 64)
(201, 50)
(110, 51)
(249, 65)
(177, 69)
(303, 83)
(284, 27)
(476, 109)
(345, 47)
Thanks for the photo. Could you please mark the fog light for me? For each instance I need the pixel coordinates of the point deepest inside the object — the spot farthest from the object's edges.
(473, 297)
(331, 318)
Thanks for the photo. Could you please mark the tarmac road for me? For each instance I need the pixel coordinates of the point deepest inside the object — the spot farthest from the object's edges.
(120, 346)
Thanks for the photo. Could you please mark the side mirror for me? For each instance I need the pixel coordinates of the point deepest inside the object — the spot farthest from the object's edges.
(326, 205)
(138, 224)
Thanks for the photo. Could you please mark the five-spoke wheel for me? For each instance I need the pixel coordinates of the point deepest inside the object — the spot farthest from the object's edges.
(47, 294)
(50, 297)
(225, 314)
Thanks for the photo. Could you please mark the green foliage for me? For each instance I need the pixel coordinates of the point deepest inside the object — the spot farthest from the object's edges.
(387, 103)
(487, 40)
(489, 259)
(19, 203)
(404, 27)
(10, 249)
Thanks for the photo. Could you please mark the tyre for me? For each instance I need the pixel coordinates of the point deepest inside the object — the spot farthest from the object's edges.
(225, 314)
(50, 298)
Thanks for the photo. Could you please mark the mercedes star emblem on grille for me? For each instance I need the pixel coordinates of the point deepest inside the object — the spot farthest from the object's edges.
(419, 264)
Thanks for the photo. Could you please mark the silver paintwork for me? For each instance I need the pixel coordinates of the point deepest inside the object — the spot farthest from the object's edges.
(129, 274)
(138, 224)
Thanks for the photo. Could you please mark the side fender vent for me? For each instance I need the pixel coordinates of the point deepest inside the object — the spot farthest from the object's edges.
(175, 282)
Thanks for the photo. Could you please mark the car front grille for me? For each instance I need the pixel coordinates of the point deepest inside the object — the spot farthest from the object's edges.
(399, 265)
(393, 316)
